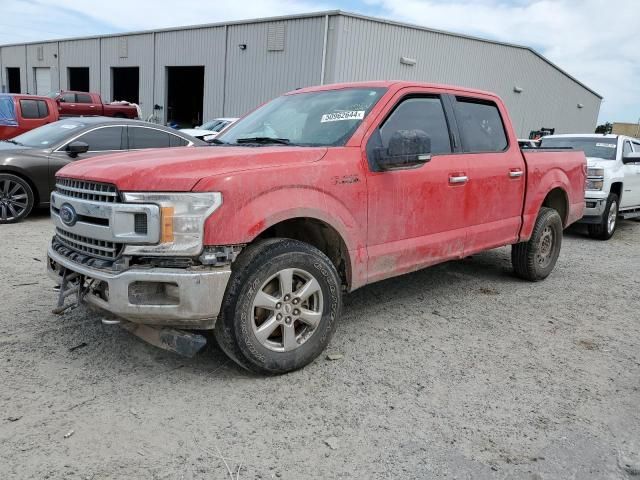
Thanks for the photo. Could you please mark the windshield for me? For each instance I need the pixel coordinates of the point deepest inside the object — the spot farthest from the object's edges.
(49, 135)
(597, 147)
(210, 125)
(325, 118)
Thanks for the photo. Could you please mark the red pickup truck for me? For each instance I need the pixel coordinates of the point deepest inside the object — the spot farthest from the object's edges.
(83, 104)
(314, 194)
(21, 113)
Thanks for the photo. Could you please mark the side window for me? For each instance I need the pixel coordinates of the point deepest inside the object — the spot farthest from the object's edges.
(636, 147)
(626, 148)
(34, 109)
(84, 98)
(419, 113)
(142, 137)
(69, 97)
(481, 127)
(176, 141)
(104, 139)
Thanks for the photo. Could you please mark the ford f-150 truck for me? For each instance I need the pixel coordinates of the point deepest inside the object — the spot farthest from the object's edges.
(314, 194)
(83, 104)
(613, 178)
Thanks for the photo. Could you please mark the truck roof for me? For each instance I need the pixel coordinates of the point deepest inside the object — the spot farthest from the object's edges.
(24, 95)
(397, 84)
(583, 135)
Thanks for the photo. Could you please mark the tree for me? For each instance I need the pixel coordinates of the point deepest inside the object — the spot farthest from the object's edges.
(605, 128)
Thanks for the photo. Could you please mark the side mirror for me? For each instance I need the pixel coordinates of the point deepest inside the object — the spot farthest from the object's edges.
(631, 157)
(406, 148)
(76, 148)
(60, 100)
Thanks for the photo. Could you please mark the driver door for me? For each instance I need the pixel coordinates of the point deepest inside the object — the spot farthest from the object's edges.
(101, 140)
(415, 213)
(631, 192)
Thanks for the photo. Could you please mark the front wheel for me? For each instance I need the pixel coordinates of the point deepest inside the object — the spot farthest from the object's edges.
(535, 259)
(280, 308)
(16, 198)
(607, 227)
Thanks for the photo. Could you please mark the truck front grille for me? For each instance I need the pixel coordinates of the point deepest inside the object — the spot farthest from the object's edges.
(89, 246)
(84, 190)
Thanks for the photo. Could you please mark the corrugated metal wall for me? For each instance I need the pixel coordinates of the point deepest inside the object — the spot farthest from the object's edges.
(255, 74)
(80, 53)
(369, 50)
(42, 55)
(128, 51)
(237, 80)
(14, 57)
(199, 47)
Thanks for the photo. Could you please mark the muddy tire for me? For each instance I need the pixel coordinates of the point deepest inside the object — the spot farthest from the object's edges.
(280, 308)
(16, 198)
(535, 259)
(607, 227)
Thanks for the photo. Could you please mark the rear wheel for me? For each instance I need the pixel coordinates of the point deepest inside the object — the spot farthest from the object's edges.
(607, 227)
(535, 259)
(280, 308)
(16, 198)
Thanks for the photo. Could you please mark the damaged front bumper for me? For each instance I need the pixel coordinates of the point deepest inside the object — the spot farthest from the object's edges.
(188, 298)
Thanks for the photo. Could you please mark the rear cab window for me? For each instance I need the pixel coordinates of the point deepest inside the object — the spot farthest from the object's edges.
(481, 126)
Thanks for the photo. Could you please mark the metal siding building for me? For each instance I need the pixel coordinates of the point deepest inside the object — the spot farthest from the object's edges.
(243, 64)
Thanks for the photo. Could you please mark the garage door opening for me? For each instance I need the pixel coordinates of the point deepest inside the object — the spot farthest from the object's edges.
(13, 79)
(125, 84)
(185, 94)
(42, 77)
(78, 78)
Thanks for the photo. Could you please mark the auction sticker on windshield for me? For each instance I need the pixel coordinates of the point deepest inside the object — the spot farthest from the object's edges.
(337, 116)
(606, 145)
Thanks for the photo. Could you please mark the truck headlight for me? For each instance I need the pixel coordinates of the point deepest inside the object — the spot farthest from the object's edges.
(595, 179)
(182, 221)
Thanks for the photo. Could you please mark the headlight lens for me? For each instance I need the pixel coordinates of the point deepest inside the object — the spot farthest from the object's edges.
(182, 222)
(595, 179)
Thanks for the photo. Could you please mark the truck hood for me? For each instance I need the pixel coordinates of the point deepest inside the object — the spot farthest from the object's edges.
(179, 169)
(595, 162)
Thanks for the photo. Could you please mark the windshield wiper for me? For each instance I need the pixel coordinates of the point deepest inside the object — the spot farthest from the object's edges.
(282, 141)
(217, 142)
(12, 141)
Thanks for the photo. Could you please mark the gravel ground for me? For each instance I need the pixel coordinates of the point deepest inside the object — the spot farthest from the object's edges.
(458, 371)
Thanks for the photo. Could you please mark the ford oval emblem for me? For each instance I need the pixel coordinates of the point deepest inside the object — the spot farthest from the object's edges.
(68, 215)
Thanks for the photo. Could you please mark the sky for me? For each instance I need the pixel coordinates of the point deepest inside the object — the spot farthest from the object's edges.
(596, 41)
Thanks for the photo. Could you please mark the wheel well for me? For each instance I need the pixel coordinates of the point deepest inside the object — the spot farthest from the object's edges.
(319, 234)
(617, 189)
(36, 195)
(557, 199)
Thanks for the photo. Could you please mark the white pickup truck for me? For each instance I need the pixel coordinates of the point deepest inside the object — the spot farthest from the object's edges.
(613, 178)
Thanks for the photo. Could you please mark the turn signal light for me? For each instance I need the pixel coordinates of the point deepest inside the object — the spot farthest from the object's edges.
(166, 235)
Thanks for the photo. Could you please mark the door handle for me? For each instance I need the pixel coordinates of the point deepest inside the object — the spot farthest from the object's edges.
(516, 173)
(458, 179)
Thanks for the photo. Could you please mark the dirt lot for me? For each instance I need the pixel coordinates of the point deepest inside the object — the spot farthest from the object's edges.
(459, 371)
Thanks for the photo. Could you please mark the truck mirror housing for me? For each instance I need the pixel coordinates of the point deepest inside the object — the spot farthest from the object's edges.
(76, 148)
(406, 148)
(631, 157)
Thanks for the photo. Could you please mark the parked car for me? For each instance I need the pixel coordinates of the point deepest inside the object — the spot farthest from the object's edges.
(613, 183)
(29, 162)
(84, 104)
(21, 113)
(209, 130)
(527, 143)
(316, 193)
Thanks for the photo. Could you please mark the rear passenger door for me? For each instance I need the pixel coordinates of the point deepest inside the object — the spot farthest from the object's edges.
(497, 177)
(33, 113)
(85, 105)
(144, 137)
